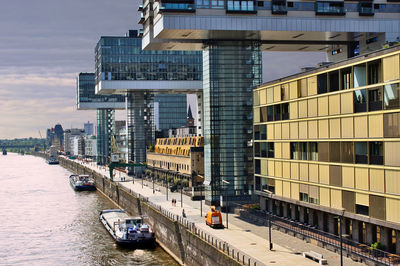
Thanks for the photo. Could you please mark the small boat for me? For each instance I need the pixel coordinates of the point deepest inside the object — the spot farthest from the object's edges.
(126, 230)
(82, 182)
(4, 152)
(52, 160)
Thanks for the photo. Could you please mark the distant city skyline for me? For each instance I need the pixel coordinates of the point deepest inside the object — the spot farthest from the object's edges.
(44, 44)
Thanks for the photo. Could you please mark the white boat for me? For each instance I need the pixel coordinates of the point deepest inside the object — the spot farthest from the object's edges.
(127, 230)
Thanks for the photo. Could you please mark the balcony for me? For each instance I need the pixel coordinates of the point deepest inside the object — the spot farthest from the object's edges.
(361, 159)
(177, 6)
(330, 8)
(241, 7)
(278, 7)
(376, 159)
(360, 107)
(140, 8)
(141, 20)
(375, 106)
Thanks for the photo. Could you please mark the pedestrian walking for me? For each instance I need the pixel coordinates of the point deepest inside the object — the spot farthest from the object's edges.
(183, 213)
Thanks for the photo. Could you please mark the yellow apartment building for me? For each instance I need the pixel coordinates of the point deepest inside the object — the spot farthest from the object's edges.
(178, 159)
(327, 143)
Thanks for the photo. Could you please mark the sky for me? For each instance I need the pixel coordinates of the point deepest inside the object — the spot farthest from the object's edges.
(45, 44)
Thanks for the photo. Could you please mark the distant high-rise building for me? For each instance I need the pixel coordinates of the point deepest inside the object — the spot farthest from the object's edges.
(88, 128)
(69, 134)
(59, 132)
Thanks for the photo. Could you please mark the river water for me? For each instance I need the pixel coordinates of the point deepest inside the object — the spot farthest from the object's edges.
(43, 221)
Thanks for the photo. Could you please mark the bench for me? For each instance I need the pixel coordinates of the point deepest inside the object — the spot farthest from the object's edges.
(315, 256)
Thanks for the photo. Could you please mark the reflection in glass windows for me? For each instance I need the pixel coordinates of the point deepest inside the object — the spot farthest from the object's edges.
(391, 96)
(360, 101)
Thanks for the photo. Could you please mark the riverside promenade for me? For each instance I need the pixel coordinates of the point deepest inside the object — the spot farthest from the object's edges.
(248, 238)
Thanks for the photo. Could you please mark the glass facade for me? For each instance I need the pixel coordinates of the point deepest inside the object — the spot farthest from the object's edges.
(231, 71)
(171, 111)
(105, 129)
(122, 58)
(86, 91)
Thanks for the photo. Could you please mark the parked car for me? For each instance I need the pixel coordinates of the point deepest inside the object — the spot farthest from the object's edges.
(174, 188)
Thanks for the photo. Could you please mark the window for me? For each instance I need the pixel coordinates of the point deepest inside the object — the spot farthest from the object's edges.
(375, 99)
(334, 81)
(361, 209)
(360, 101)
(294, 151)
(346, 78)
(277, 112)
(263, 114)
(257, 132)
(359, 75)
(376, 153)
(391, 96)
(334, 152)
(346, 152)
(391, 125)
(278, 7)
(285, 111)
(322, 83)
(323, 151)
(374, 72)
(257, 166)
(257, 151)
(270, 152)
(263, 132)
(330, 8)
(313, 156)
(239, 6)
(366, 9)
(270, 113)
(361, 152)
(263, 149)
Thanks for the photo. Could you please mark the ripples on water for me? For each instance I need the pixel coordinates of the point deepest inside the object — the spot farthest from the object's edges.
(43, 221)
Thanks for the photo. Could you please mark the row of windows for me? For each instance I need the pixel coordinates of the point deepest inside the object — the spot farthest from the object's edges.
(361, 152)
(346, 78)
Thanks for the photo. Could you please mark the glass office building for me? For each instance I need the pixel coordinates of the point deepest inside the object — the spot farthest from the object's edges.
(122, 67)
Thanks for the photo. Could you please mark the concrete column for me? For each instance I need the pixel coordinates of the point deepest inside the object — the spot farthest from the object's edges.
(356, 230)
(310, 216)
(269, 205)
(331, 224)
(370, 233)
(397, 242)
(263, 203)
(293, 211)
(278, 205)
(301, 214)
(285, 207)
(321, 221)
(386, 237)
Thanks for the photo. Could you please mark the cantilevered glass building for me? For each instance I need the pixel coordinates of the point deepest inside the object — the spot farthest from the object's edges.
(122, 67)
(232, 35)
(105, 106)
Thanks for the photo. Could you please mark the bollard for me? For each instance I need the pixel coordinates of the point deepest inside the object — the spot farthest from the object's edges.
(249, 261)
(243, 259)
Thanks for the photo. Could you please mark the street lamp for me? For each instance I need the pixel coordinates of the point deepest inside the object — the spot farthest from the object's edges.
(153, 182)
(226, 196)
(181, 195)
(269, 193)
(340, 217)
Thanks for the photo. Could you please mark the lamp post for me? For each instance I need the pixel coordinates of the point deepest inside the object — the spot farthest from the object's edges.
(226, 196)
(166, 179)
(340, 217)
(153, 183)
(181, 195)
(269, 193)
(201, 200)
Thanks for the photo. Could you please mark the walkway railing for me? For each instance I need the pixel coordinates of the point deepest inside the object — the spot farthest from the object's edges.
(350, 246)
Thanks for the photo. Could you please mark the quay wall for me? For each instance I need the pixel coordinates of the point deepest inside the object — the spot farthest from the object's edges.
(180, 238)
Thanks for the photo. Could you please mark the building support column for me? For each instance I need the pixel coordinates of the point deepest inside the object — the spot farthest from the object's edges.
(397, 241)
(321, 220)
(140, 127)
(301, 214)
(370, 233)
(230, 72)
(386, 237)
(311, 216)
(356, 230)
(285, 207)
(105, 129)
(293, 212)
(331, 224)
